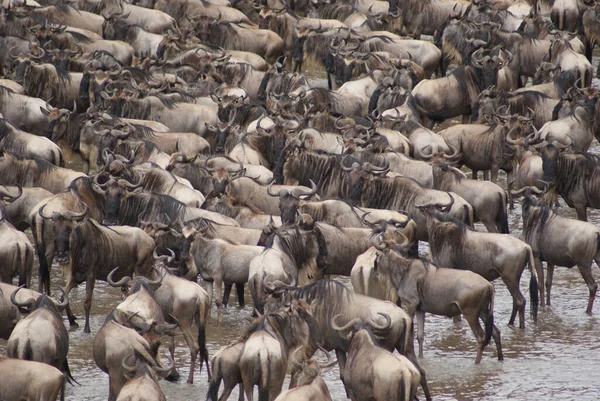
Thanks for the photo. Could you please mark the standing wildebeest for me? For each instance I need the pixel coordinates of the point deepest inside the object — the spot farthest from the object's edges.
(559, 241)
(143, 384)
(371, 371)
(485, 147)
(226, 367)
(270, 341)
(219, 262)
(419, 285)
(16, 253)
(114, 342)
(89, 251)
(240, 36)
(41, 336)
(28, 146)
(458, 246)
(575, 177)
(310, 385)
(401, 193)
(454, 95)
(28, 380)
(488, 199)
(329, 298)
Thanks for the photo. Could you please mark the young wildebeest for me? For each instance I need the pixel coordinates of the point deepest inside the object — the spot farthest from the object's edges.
(420, 285)
(220, 261)
(28, 380)
(144, 383)
(41, 336)
(456, 245)
(112, 344)
(559, 241)
(329, 298)
(186, 303)
(263, 361)
(488, 199)
(310, 385)
(226, 368)
(372, 372)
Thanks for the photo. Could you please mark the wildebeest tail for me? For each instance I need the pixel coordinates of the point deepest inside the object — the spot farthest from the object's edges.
(203, 315)
(38, 237)
(215, 381)
(265, 376)
(489, 320)
(468, 215)
(255, 286)
(67, 372)
(533, 285)
(502, 216)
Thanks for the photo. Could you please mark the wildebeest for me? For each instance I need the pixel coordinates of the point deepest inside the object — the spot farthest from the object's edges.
(29, 380)
(419, 283)
(268, 345)
(553, 240)
(456, 245)
(372, 371)
(27, 146)
(41, 336)
(310, 385)
(575, 177)
(16, 253)
(329, 298)
(488, 199)
(114, 342)
(89, 251)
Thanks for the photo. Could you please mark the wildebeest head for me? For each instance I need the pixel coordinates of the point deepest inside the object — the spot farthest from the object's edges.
(115, 192)
(42, 302)
(228, 100)
(488, 66)
(546, 72)
(359, 329)
(168, 237)
(357, 175)
(62, 227)
(289, 201)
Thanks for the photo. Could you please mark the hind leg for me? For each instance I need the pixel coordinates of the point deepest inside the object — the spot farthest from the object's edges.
(239, 289)
(227, 293)
(550, 270)
(420, 331)
(497, 341)
(586, 273)
(518, 301)
(473, 321)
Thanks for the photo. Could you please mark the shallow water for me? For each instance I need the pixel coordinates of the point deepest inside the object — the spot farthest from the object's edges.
(555, 359)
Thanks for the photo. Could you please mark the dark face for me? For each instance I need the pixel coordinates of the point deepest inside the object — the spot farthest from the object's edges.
(105, 142)
(21, 68)
(224, 111)
(112, 204)
(489, 71)
(288, 207)
(222, 135)
(62, 229)
(550, 154)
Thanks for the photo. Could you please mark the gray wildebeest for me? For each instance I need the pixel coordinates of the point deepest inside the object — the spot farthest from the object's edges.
(329, 298)
(456, 245)
(488, 199)
(574, 176)
(419, 285)
(310, 385)
(88, 251)
(28, 380)
(559, 241)
(372, 372)
(41, 336)
(268, 345)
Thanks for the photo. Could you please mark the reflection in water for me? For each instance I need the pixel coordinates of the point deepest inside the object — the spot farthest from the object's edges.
(557, 359)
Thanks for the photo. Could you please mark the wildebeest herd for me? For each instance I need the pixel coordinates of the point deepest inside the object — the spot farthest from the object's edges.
(174, 149)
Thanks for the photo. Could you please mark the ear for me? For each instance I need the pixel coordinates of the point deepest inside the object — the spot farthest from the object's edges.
(45, 111)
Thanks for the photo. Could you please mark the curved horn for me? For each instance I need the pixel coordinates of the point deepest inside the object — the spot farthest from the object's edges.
(124, 281)
(282, 192)
(298, 192)
(41, 212)
(345, 327)
(342, 164)
(11, 198)
(28, 304)
(456, 154)
(379, 243)
(371, 322)
(65, 302)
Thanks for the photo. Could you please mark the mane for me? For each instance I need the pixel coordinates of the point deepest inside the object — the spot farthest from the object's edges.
(324, 169)
(89, 247)
(536, 215)
(390, 193)
(293, 244)
(577, 169)
(235, 73)
(153, 205)
(322, 292)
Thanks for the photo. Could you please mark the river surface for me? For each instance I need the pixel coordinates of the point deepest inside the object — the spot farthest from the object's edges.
(555, 359)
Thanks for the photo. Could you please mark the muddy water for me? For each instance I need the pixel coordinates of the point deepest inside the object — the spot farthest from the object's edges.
(557, 359)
